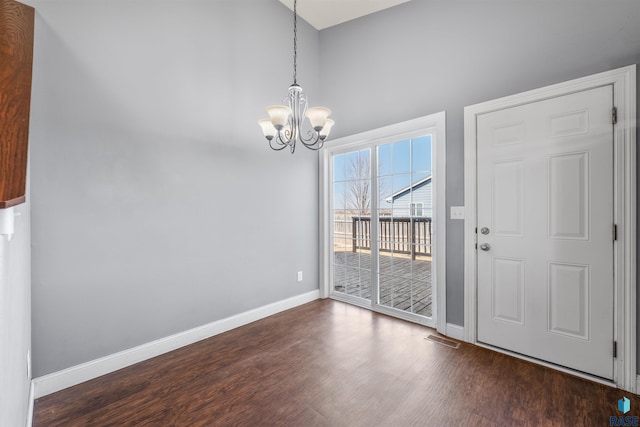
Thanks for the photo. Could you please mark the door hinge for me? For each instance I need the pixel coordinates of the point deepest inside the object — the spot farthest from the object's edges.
(615, 232)
(614, 115)
(615, 349)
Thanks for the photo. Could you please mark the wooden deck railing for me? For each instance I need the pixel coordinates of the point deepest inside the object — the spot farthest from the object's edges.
(407, 235)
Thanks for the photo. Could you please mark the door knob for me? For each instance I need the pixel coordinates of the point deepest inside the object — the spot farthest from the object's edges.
(484, 230)
(485, 246)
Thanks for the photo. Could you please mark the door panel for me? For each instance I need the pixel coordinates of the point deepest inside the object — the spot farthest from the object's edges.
(508, 198)
(545, 199)
(569, 300)
(508, 290)
(352, 268)
(569, 196)
(405, 207)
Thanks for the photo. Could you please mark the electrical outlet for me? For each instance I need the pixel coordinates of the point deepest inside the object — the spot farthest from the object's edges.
(299, 276)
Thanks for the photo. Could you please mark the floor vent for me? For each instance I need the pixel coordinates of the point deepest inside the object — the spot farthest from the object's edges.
(443, 341)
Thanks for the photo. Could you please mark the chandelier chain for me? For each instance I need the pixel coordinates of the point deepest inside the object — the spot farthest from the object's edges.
(295, 42)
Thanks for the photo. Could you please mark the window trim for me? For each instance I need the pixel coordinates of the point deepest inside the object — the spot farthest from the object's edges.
(416, 209)
(435, 125)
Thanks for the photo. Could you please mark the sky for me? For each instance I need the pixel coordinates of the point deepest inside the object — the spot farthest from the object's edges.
(399, 164)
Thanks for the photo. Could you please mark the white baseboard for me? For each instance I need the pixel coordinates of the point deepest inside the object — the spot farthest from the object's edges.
(74, 375)
(32, 399)
(455, 331)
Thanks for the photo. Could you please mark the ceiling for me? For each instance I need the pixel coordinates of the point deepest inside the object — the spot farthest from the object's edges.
(327, 13)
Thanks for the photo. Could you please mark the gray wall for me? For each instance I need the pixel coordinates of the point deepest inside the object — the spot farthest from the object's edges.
(426, 56)
(152, 185)
(146, 159)
(15, 321)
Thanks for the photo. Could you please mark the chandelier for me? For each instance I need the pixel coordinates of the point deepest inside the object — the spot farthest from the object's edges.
(283, 128)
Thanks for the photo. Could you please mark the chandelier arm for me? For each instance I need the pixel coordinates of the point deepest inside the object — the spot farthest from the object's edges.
(313, 138)
(282, 146)
(315, 145)
(287, 136)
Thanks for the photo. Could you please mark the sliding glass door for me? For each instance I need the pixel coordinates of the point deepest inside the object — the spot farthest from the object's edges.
(404, 216)
(383, 201)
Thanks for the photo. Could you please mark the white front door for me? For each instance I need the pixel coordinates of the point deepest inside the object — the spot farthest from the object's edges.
(545, 230)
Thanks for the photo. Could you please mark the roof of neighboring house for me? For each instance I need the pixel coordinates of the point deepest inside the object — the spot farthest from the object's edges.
(406, 190)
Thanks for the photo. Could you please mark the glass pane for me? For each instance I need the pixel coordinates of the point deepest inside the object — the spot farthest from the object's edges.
(349, 160)
(401, 184)
(365, 284)
(339, 195)
(352, 254)
(401, 265)
(364, 163)
(421, 298)
(421, 194)
(418, 177)
(401, 155)
(341, 236)
(421, 154)
(352, 281)
(385, 193)
(385, 293)
(357, 165)
(401, 195)
(339, 278)
(422, 267)
(338, 168)
(384, 160)
(402, 294)
(385, 263)
(422, 236)
(358, 196)
(385, 236)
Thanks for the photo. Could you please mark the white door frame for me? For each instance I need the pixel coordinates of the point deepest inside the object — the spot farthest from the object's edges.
(624, 99)
(434, 124)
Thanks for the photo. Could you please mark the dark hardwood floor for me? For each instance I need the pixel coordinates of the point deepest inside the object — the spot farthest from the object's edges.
(332, 364)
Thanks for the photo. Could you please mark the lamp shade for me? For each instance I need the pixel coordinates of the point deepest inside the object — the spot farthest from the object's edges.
(324, 133)
(317, 116)
(267, 128)
(279, 115)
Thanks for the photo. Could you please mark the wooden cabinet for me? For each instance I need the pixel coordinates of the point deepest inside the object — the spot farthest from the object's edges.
(16, 59)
